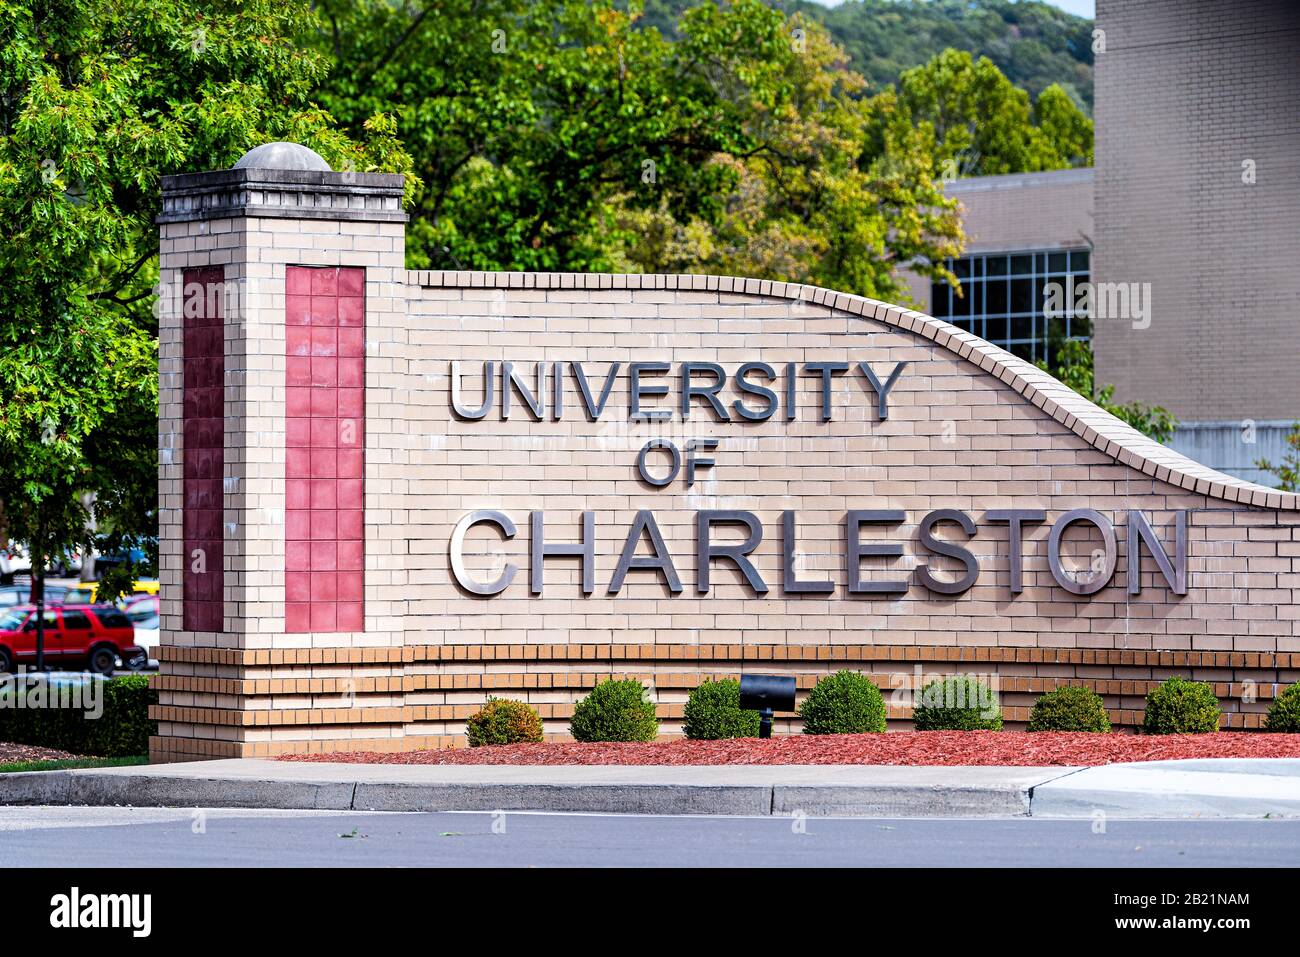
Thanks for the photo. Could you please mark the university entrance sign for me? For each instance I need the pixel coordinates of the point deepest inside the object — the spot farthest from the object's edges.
(387, 494)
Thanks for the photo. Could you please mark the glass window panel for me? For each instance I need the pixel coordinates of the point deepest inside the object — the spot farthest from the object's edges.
(996, 328)
(995, 266)
(961, 303)
(1079, 261)
(1022, 295)
(1022, 327)
(939, 299)
(1021, 265)
(1056, 262)
(995, 301)
(1023, 349)
(75, 619)
(961, 268)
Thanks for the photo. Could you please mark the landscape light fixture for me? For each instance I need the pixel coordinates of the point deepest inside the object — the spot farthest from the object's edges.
(765, 694)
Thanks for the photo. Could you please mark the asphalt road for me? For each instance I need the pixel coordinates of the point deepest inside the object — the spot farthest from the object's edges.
(133, 837)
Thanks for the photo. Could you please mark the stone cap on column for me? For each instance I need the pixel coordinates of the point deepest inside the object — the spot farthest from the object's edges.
(283, 181)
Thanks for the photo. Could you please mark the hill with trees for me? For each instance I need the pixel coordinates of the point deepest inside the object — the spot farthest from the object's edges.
(1034, 44)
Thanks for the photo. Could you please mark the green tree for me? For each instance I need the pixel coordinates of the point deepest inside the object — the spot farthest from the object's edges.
(98, 100)
(985, 125)
(1288, 470)
(830, 188)
(557, 135)
(1074, 367)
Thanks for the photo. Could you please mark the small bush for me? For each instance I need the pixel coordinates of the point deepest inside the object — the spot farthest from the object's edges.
(502, 721)
(959, 703)
(1180, 706)
(843, 703)
(615, 711)
(121, 729)
(713, 712)
(1285, 713)
(1069, 709)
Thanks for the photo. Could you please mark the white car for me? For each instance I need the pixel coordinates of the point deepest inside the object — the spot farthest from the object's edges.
(14, 558)
(143, 610)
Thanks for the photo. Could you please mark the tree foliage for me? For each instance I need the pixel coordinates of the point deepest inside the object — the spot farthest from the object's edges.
(557, 135)
(1288, 470)
(98, 100)
(984, 125)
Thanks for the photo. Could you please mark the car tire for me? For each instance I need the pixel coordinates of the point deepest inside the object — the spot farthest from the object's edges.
(102, 661)
(6, 662)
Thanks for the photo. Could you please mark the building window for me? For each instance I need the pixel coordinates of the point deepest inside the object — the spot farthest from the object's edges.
(1002, 297)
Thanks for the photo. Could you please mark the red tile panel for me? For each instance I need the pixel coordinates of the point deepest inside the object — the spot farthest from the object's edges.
(203, 576)
(324, 574)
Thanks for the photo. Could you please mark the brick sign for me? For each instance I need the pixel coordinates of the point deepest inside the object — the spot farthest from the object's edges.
(439, 486)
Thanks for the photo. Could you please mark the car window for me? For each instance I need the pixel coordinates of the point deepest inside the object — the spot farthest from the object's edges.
(77, 596)
(12, 620)
(51, 621)
(112, 618)
(75, 619)
(142, 610)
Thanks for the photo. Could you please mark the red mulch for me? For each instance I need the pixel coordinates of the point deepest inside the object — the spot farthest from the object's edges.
(1007, 748)
(10, 752)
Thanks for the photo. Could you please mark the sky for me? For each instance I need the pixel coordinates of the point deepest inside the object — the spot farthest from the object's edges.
(1080, 8)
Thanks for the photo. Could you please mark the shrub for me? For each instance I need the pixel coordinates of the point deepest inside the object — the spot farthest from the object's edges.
(1180, 706)
(502, 721)
(615, 711)
(1069, 709)
(843, 703)
(958, 703)
(1285, 713)
(122, 728)
(713, 712)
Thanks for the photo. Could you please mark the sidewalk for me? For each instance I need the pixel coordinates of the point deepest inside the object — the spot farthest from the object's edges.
(1161, 789)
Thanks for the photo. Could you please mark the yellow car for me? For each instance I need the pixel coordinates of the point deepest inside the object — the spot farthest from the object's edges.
(83, 593)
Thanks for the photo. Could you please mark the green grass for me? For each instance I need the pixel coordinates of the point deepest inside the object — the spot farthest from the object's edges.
(66, 764)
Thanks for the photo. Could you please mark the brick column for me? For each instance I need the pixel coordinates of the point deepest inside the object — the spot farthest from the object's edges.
(279, 277)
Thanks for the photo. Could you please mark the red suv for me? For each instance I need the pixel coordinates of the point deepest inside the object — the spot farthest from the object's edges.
(96, 635)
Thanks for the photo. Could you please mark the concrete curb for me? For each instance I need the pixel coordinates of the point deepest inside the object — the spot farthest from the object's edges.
(1168, 789)
(817, 791)
(602, 799)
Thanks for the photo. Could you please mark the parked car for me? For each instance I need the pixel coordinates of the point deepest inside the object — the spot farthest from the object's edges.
(83, 593)
(95, 636)
(13, 561)
(112, 559)
(11, 595)
(64, 563)
(144, 612)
